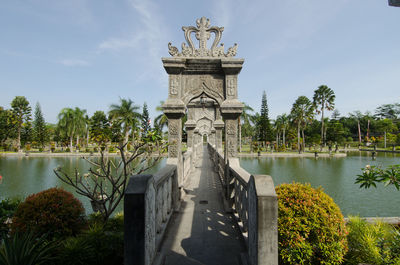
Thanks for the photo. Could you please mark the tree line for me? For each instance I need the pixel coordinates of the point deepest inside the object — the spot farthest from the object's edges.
(300, 127)
(74, 129)
(125, 122)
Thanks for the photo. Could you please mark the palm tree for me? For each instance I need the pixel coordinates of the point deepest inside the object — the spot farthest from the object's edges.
(66, 124)
(324, 98)
(127, 113)
(161, 120)
(282, 124)
(302, 114)
(246, 117)
(72, 123)
(80, 120)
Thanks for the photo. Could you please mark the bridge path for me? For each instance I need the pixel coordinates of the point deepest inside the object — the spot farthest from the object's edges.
(201, 232)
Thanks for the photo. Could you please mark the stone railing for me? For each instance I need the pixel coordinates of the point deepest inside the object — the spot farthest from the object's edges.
(255, 205)
(188, 164)
(148, 205)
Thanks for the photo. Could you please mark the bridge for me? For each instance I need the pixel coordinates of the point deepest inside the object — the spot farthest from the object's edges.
(202, 207)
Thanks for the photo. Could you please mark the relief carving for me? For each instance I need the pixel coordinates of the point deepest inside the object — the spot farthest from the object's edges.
(173, 128)
(174, 85)
(195, 85)
(173, 150)
(230, 86)
(231, 148)
(231, 128)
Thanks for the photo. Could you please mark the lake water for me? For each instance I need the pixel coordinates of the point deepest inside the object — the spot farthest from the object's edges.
(337, 176)
(22, 176)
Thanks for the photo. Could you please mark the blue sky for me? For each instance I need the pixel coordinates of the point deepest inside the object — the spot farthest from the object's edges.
(89, 53)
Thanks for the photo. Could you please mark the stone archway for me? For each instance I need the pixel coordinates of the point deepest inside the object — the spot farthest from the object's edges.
(196, 73)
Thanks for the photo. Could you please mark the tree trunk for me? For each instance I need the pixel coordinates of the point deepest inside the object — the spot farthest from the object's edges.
(77, 141)
(70, 143)
(19, 138)
(304, 140)
(284, 140)
(298, 138)
(385, 139)
(323, 142)
(87, 138)
(126, 139)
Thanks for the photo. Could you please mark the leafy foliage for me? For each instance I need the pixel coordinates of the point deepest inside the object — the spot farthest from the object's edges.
(54, 212)
(100, 244)
(324, 98)
(7, 209)
(22, 111)
(310, 226)
(377, 243)
(264, 129)
(373, 174)
(301, 114)
(126, 113)
(39, 127)
(100, 130)
(145, 120)
(26, 249)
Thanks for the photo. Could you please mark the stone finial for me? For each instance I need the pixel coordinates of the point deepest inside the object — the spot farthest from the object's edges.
(202, 33)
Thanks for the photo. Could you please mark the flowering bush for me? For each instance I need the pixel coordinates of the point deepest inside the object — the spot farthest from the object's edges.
(310, 226)
(54, 212)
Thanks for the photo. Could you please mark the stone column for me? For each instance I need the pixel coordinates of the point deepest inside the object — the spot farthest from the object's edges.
(231, 110)
(211, 136)
(190, 125)
(174, 109)
(218, 125)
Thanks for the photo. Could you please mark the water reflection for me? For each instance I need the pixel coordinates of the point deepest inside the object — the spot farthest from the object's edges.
(336, 175)
(22, 176)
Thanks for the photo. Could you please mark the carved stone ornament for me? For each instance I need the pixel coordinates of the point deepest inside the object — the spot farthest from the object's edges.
(174, 85)
(230, 86)
(173, 128)
(202, 33)
(230, 129)
(173, 150)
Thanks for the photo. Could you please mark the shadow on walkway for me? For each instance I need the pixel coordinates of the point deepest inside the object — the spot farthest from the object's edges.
(201, 232)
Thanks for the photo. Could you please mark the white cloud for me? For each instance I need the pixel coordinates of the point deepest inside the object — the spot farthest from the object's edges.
(74, 62)
(119, 43)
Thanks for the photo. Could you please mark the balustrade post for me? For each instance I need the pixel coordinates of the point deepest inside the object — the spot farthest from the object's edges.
(262, 220)
(139, 221)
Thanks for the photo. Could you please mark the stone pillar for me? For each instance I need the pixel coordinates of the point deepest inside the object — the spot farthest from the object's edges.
(195, 143)
(174, 109)
(218, 125)
(190, 125)
(231, 110)
(211, 136)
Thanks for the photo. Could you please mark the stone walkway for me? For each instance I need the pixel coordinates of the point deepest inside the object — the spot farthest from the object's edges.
(201, 232)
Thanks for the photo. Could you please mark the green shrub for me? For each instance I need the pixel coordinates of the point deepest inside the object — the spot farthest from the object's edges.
(377, 243)
(310, 226)
(67, 149)
(26, 249)
(54, 212)
(7, 209)
(96, 246)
